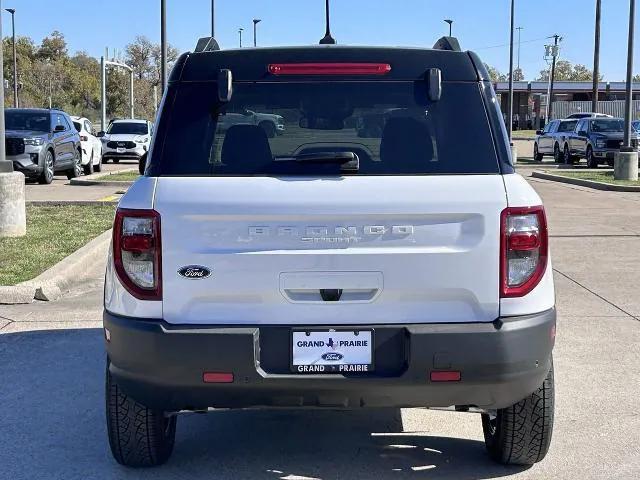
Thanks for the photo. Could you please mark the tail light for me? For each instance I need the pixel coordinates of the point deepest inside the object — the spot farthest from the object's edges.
(329, 68)
(84, 138)
(137, 252)
(524, 250)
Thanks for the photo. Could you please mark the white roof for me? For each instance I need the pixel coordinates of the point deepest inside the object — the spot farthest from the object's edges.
(129, 120)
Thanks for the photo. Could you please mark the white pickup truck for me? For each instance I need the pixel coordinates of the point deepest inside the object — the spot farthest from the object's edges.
(407, 268)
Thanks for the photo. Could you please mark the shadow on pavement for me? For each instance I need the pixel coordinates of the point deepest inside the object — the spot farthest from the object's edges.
(52, 426)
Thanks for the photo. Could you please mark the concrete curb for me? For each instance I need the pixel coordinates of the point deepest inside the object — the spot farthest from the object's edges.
(586, 183)
(59, 279)
(87, 182)
(58, 203)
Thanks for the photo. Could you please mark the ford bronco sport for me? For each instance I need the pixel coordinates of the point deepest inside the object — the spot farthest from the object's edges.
(322, 268)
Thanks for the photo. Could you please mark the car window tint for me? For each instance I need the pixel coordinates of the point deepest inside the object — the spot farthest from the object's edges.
(128, 128)
(78, 126)
(391, 126)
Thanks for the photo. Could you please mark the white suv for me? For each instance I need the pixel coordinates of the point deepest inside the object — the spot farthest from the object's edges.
(126, 139)
(410, 268)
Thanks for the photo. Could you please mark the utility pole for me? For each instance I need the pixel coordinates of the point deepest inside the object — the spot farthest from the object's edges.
(596, 59)
(16, 104)
(626, 160)
(5, 166)
(450, 22)
(256, 21)
(555, 49)
(519, 42)
(163, 44)
(240, 30)
(510, 105)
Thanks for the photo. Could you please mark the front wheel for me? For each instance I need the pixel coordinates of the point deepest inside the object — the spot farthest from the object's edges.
(46, 177)
(557, 154)
(138, 436)
(592, 161)
(537, 156)
(521, 434)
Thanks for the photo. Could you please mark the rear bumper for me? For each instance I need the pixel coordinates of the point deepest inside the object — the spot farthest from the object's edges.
(162, 365)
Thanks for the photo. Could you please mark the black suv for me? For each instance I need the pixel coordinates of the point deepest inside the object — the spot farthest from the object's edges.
(42, 142)
(598, 140)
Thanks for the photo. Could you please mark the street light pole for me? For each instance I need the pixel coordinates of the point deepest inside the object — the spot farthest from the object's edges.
(519, 42)
(213, 18)
(596, 59)
(556, 39)
(12, 11)
(5, 166)
(510, 101)
(163, 44)
(256, 21)
(450, 22)
(240, 30)
(626, 160)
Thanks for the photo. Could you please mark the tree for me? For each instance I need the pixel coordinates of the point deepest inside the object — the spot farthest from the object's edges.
(53, 47)
(140, 57)
(565, 70)
(518, 75)
(494, 74)
(636, 77)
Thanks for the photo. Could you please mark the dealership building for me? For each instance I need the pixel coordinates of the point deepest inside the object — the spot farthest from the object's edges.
(530, 100)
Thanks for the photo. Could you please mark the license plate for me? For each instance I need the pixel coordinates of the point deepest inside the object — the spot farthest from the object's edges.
(120, 150)
(331, 351)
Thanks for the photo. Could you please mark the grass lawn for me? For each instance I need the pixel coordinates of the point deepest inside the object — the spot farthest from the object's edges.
(524, 134)
(52, 234)
(604, 177)
(119, 177)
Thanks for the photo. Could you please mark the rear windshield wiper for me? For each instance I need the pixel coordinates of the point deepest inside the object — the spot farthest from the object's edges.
(348, 160)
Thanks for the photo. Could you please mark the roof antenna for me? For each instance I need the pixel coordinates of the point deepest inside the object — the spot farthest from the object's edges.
(327, 39)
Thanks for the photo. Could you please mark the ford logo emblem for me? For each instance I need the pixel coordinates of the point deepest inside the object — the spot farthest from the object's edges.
(194, 272)
(332, 357)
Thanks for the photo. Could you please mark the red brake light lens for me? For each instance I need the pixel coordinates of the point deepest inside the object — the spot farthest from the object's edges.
(329, 68)
(84, 138)
(524, 250)
(137, 252)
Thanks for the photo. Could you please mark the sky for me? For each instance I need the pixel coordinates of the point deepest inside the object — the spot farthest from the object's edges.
(482, 26)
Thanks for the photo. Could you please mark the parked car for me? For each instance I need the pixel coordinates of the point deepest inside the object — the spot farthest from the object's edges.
(598, 139)
(272, 124)
(41, 143)
(323, 272)
(580, 115)
(636, 125)
(126, 139)
(553, 139)
(91, 145)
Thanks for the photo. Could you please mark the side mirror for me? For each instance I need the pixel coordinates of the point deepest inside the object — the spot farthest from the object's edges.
(59, 128)
(225, 85)
(434, 84)
(538, 132)
(100, 134)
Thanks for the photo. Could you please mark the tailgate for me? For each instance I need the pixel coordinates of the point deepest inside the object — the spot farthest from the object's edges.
(349, 250)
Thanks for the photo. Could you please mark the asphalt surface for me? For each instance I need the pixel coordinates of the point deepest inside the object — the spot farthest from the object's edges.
(52, 374)
(61, 190)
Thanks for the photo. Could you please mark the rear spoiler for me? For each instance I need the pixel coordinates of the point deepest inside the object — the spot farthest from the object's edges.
(207, 44)
(448, 43)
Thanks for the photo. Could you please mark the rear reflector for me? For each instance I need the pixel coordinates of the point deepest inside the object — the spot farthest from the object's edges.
(329, 68)
(217, 377)
(449, 376)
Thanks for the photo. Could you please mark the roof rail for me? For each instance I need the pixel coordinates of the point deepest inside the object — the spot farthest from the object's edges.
(207, 44)
(448, 43)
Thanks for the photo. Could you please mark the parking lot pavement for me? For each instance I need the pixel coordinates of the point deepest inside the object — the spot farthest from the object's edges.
(60, 190)
(52, 387)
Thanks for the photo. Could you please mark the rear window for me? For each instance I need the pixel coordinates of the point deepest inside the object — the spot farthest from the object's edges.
(294, 128)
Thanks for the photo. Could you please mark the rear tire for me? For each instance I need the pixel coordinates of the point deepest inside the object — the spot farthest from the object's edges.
(76, 171)
(537, 156)
(557, 154)
(98, 167)
(592, 161)
(521, 434)
(138, 436)
(88, 168)
(568, 158)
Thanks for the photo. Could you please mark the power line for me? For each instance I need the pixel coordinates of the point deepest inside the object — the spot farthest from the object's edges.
(507, 44)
